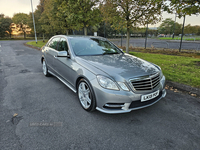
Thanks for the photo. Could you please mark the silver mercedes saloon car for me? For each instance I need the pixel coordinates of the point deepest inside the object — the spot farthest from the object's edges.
(103, 76)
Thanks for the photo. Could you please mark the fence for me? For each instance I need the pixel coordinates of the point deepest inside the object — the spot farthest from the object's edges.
(156, 43)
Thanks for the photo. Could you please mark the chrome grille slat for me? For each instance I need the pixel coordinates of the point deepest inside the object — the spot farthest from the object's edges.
(142, 85)
(156, 78)
(155, 84)
(144, 88)
(147, 83)
(155, 81)
(142, 82)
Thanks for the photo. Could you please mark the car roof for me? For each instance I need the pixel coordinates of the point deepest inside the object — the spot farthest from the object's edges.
(80, 36)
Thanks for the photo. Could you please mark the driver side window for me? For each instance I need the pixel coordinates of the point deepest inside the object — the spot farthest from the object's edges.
(53, 43)
(63, 45)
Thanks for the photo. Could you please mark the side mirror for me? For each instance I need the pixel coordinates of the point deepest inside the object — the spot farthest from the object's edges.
(63, 54)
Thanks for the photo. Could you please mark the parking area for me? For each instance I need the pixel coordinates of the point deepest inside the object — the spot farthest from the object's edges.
(48, 114)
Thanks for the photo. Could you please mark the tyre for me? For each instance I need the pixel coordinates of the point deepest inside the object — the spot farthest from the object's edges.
(45, 69)
(86, 95)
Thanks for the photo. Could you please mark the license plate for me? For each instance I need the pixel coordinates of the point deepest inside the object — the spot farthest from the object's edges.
(149, 96)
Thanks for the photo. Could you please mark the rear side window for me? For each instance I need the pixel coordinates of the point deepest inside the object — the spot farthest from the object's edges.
(63, 45)
(53, 43)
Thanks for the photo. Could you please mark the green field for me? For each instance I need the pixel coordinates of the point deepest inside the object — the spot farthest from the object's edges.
(181, 69)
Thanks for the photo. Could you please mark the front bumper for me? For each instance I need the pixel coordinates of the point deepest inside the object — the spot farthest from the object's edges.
(113, 102)
(128, 107)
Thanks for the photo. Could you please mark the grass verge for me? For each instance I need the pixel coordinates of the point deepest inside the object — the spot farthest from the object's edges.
(180, 67)
(179, 38)
(39, 43)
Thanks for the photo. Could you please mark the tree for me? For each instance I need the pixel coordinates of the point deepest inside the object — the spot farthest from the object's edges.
(49, 20)
(63, 12)
(21, 20)
(105, 30)
(153, 32)
(184, 7)
(5, 26)
(198, 30)
(129, 13)
(1, 16)
(79, 14)
(191, 29)
(167, 27)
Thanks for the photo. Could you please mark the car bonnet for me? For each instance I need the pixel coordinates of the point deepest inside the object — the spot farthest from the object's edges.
(119, 66)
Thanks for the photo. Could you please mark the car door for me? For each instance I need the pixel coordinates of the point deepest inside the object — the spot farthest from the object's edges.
(51, 51)
(63, 65)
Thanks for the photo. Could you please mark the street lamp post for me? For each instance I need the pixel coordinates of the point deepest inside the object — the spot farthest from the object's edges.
(34, 23)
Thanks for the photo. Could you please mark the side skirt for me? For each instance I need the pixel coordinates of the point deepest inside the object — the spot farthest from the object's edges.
(68, 85)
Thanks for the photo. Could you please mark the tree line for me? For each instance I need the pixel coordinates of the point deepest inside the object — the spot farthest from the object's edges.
(169, 26)
(113, 16)
(5, 26)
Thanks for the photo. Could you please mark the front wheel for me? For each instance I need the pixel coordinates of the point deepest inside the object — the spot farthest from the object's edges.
(86, 95)
(44, 68)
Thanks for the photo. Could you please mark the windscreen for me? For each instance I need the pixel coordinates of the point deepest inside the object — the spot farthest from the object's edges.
(93, 46)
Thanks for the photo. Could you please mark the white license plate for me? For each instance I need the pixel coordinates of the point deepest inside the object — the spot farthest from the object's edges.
(149, 96)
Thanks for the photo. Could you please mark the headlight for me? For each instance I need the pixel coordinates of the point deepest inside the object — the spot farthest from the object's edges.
(123, 86)
(107, 83)
(161, 74)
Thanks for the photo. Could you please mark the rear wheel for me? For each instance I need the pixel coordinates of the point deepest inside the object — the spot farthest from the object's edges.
(45, 69)
(86, 95)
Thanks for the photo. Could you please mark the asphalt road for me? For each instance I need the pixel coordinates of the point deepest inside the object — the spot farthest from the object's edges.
(169, 44)
(50, 116)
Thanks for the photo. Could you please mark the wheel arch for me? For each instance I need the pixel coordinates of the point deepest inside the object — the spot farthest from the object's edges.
(77, 81)
(92, 90)
(42, 59)
(79, 78)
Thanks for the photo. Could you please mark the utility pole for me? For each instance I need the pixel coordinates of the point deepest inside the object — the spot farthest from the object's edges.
(34, 23)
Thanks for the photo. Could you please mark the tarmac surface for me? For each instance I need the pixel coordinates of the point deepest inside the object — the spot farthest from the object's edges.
(38, 112)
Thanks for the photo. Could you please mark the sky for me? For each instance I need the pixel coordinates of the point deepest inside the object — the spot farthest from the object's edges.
(9, 7)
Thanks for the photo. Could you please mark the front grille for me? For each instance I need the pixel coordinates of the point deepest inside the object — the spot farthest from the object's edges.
(148, 83)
